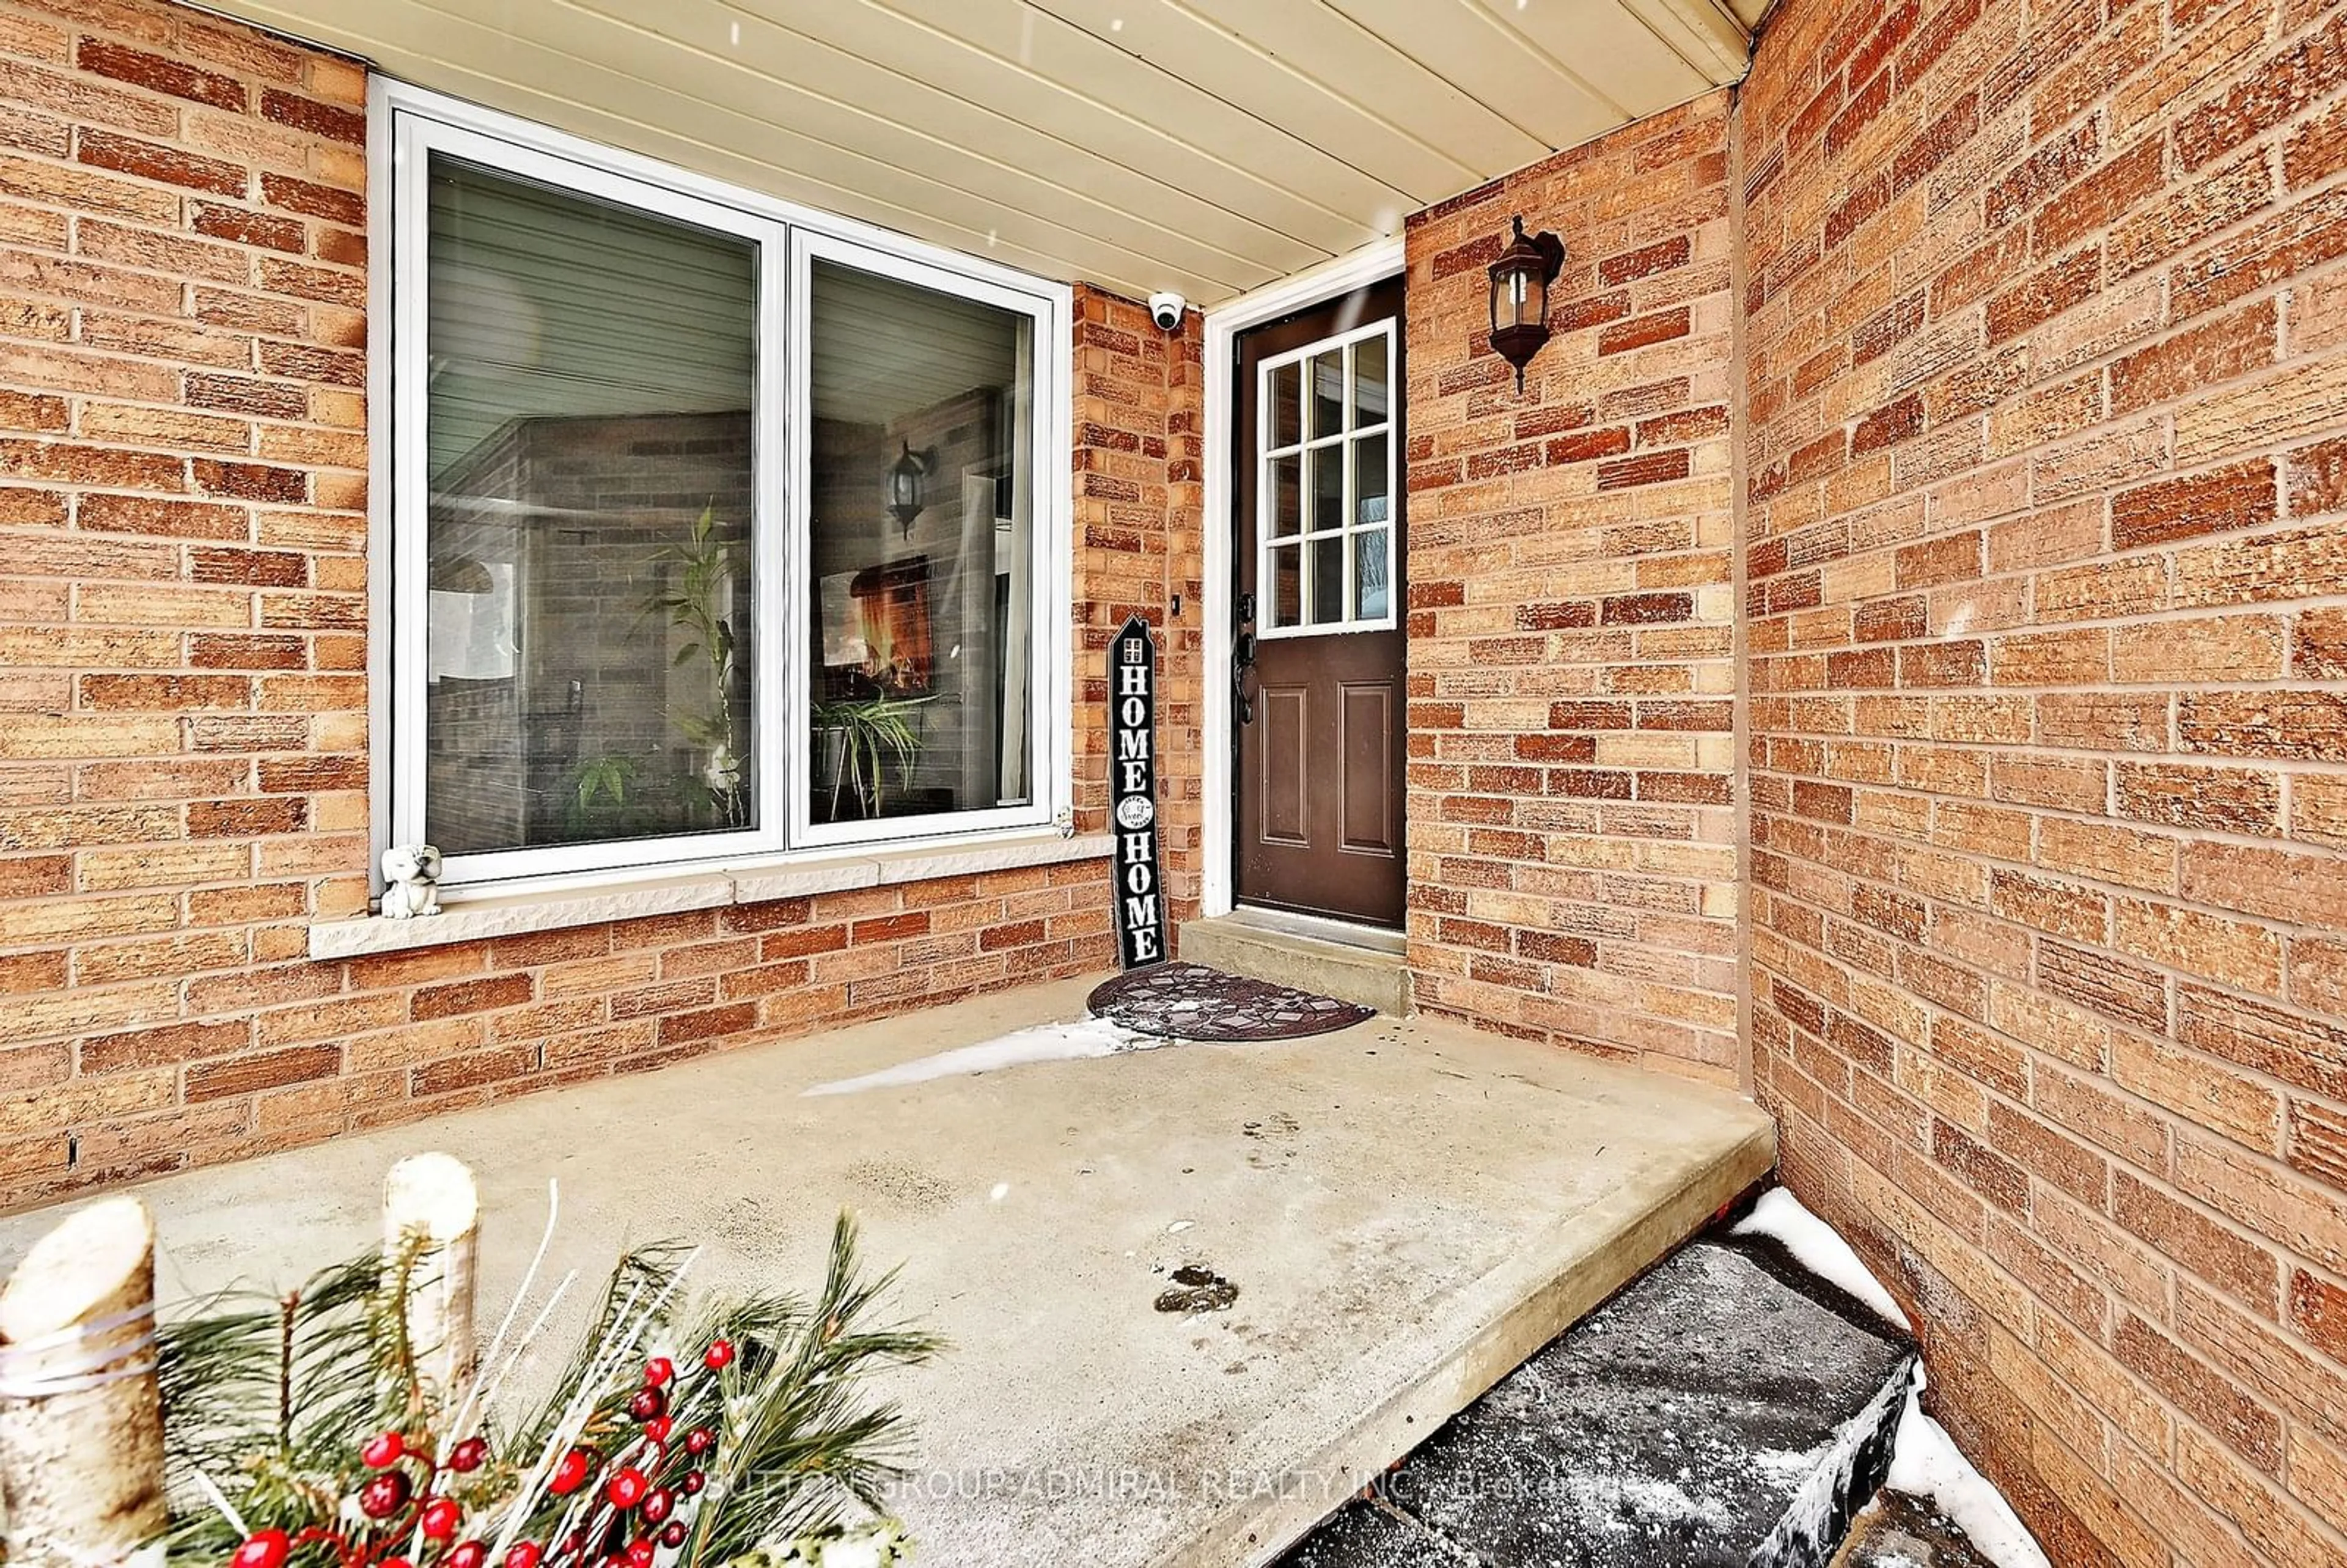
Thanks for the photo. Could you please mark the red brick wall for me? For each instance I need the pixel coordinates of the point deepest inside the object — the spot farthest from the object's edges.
(1572, 676)
(2048, 464)
(183, 746)
(1140, 501)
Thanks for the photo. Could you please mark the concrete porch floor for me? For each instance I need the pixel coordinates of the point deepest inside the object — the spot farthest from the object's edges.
(1408, 1209)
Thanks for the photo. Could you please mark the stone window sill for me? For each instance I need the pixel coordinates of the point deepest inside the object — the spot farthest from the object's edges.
(471, 916)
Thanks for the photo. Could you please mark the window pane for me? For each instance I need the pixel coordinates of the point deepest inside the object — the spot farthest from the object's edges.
(1369, 479)
(1328, 486)
(1287, 585)
(921, 551)
(1327, 580)
(589, 452)
(1329, 392)
(1287, 405)
(1287, 495)
(1369, 574)
(1369, 377)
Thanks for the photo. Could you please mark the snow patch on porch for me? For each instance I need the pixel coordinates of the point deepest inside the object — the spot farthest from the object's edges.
(1070, 1041)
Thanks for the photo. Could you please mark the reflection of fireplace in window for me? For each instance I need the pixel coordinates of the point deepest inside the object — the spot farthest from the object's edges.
(892, 606)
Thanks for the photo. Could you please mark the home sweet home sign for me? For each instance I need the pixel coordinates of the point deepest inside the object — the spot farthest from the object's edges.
(1139, 888)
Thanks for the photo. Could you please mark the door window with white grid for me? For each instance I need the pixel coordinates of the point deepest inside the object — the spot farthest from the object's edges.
(1326, 484)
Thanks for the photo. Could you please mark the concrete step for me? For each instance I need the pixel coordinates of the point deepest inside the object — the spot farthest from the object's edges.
(1728, 1409)
(1352, 964)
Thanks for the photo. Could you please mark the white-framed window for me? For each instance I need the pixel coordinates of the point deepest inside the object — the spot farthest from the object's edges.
(717, 530)
(1325, 485)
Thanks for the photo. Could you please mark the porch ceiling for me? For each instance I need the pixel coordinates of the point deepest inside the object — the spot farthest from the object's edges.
(1206, 145)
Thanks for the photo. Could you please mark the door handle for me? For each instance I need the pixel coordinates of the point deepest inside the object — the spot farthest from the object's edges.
(1241, 661)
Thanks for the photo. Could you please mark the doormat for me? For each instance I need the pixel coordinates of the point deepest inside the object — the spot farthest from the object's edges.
(1191, 1002)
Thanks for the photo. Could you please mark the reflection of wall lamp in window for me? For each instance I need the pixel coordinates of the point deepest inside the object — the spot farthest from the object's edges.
(909, 482)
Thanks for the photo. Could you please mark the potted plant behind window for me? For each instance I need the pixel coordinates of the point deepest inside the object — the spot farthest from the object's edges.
(704, 569)
(869, 732)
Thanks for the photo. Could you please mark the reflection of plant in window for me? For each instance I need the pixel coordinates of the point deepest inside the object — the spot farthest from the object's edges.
(704, 572)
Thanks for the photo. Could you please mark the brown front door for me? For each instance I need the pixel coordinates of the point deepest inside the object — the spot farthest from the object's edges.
(1317, 719)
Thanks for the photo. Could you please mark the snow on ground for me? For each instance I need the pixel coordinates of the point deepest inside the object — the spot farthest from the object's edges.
(1925, 1461)
(1818, 1247)
(1044, 1043)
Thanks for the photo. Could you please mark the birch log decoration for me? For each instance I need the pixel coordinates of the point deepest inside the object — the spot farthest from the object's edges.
(433, 1196)
(81, 1417)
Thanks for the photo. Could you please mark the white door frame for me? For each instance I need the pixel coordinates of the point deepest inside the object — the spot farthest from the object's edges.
(1370, 264)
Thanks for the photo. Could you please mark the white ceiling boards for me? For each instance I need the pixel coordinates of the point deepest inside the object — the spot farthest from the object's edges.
(1206, 146)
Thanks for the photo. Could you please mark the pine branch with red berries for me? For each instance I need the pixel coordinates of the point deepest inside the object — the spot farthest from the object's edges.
(300, 1434)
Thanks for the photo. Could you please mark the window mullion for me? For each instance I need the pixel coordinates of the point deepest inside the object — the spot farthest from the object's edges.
(774, 536)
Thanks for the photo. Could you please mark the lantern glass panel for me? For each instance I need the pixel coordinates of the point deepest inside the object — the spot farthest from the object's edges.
(904, 484)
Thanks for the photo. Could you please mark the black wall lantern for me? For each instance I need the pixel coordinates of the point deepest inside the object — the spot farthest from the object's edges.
(1519, 280)
(908, 483)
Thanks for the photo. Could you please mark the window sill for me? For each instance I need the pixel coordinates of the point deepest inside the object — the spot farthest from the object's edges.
(486, 913)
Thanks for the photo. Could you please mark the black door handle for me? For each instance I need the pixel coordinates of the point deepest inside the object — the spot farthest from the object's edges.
(1241, 661)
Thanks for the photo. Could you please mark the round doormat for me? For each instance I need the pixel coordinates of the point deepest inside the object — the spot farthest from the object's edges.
(1191, 1002)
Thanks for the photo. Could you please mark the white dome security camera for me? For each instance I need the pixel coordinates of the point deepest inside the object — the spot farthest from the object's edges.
(1165, 309)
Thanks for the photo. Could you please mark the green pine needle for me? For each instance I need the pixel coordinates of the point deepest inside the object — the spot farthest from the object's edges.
(272, 1399)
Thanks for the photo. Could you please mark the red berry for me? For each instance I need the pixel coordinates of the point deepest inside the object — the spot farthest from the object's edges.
(627, 1487)
(659, 1427)
(694, 1481)
(570, 1472)
(386, 1495)
(525, 1554)
(719, 1356)
(469, 1455)
(674, 1536)
(658, 1502)
(647, 1403)
(383, 1451)
(395, 1563)
(441, 1517)
(269, 1549)
(699, 1441)
(639, 1554)
(659, 1370)
(471, 1554)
